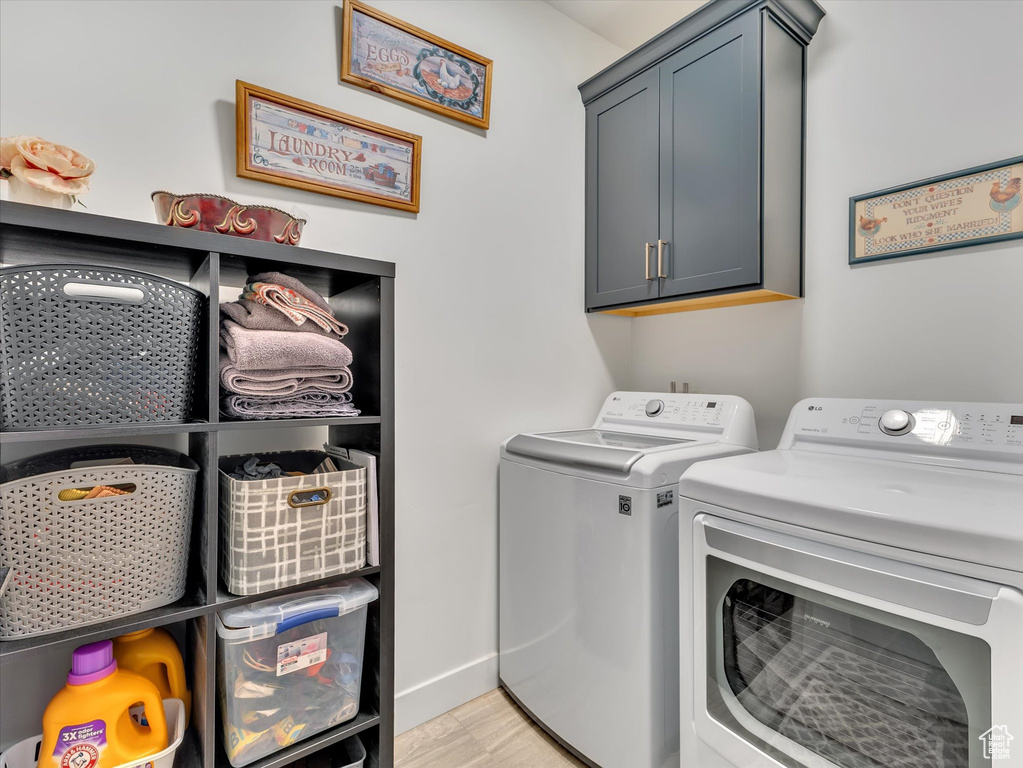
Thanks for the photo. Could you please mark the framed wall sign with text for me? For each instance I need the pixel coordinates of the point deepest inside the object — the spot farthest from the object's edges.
(969, 207)
(283, 140)
(386, 55)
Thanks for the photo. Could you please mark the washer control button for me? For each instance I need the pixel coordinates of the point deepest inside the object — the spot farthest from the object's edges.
(894, 422)
(654, 407)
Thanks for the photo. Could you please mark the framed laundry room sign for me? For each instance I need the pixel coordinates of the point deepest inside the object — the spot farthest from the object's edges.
(287, 141)
(386, 55)
(970, 207)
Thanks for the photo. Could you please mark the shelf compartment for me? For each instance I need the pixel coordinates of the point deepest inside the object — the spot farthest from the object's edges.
(325, 280)
(35, 681)
(362, 722)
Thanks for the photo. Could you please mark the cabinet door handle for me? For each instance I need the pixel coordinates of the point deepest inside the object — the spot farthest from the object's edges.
(646, 261)
(660, 258)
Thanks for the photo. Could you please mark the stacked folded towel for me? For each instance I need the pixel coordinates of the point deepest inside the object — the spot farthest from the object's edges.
(281, 353)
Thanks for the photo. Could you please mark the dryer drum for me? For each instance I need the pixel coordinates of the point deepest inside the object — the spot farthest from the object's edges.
(854, 691)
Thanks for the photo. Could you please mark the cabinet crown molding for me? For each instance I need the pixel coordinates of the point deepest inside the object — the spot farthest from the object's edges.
(801, 17)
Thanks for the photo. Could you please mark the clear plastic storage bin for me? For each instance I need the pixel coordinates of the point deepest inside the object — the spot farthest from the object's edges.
(290, 667)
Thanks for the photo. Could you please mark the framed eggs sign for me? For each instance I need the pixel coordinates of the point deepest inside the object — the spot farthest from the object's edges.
(969, 207)
(386, 55)
(283, 140)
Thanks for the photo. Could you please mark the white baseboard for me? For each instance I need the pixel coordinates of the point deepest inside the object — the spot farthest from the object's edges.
(425, 701)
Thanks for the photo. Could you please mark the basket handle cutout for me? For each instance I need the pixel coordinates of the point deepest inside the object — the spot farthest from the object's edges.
(127, 293)
(95, 492)
(312, 497)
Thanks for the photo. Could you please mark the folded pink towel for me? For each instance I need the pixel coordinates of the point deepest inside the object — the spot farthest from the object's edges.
(279, 351)
(282, 382)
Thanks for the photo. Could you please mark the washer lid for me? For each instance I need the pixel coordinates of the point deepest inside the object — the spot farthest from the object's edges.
(963, 514)
(600, 448)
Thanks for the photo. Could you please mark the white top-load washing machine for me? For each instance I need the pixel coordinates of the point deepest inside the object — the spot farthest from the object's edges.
(855, 597)
(589, 569)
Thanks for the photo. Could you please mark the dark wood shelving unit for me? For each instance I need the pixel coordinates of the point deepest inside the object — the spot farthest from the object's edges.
(362, 293)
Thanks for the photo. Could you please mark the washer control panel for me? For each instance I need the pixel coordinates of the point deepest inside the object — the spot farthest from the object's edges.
(970, 426)
(668, 410)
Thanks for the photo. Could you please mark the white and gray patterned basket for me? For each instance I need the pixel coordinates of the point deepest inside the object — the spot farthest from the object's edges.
(84, 345)
(75, 563)
(279, 532)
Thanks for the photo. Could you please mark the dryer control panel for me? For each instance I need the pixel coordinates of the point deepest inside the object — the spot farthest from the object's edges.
(921, 427)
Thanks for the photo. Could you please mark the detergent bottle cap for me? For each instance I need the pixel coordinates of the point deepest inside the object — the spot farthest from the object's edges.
(92, 662)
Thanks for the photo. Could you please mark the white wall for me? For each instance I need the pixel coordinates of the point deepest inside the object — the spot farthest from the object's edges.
(897, 91)
(491, 336)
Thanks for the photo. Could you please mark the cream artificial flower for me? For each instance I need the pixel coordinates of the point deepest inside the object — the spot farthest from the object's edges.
(45, 165)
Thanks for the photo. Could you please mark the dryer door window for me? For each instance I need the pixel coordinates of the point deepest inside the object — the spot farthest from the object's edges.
(853, 685)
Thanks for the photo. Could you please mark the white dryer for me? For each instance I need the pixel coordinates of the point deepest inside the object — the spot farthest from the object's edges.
(589, 570)
(855, 597)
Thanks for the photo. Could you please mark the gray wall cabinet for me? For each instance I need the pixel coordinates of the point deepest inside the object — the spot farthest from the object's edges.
(621, 202)
(694, 162)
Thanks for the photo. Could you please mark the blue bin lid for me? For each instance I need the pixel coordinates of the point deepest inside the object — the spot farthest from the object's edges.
(277, 614)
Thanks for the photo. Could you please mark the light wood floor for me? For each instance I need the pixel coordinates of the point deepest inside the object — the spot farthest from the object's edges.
(488, 732)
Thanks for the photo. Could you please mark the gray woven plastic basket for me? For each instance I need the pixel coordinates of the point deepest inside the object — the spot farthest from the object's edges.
(86, 345)
(279, 532)
(81, 562)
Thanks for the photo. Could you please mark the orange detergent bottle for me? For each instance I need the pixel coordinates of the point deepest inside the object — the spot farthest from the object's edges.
(154, 654)
(87, 724)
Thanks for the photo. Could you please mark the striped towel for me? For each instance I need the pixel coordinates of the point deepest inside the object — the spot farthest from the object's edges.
(292, 305)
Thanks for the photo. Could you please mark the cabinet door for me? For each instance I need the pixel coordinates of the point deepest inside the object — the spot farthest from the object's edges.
(621, 193)
(710, 161)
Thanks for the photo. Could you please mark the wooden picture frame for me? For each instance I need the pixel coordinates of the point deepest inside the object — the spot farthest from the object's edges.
(386, 55)
(974, 206)
(294, 143)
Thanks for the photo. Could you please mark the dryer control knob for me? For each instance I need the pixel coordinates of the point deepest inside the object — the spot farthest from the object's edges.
(654, 407)
(896, 422)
